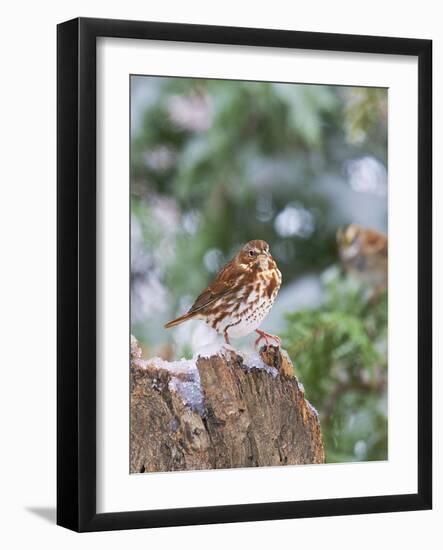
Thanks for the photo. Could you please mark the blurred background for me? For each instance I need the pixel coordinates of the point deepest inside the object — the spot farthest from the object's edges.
(216, 163)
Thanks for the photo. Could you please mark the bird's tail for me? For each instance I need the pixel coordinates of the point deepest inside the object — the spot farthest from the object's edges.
(179, 320)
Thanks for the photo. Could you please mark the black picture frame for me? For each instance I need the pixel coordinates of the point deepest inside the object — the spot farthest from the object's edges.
(76, 265)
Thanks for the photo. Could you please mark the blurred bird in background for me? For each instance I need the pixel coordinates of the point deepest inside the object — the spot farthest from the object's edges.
(364, 253)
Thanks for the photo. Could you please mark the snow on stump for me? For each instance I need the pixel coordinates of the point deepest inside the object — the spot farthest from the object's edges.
(220, 411)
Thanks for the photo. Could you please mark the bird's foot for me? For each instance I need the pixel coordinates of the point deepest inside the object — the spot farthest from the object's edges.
(267, 337)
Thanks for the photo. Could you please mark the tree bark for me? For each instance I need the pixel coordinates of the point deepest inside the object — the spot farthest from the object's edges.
(221, 412)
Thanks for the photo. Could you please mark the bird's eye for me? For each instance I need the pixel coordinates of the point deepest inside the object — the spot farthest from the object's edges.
(252, 253)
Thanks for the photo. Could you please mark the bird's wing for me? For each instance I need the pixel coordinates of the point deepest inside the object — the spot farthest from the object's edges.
(228, 281)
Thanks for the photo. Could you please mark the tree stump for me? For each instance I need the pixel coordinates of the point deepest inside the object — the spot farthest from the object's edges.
(221, 411)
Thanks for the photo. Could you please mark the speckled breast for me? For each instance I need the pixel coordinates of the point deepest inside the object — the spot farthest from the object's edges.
(244, 311)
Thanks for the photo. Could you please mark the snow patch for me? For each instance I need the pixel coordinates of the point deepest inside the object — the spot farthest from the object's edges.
(208, 351)
(184, 366)
(250, 361)
(254, 361)
(185, 381)
(215, 349)
(313, 409)
(191, 393)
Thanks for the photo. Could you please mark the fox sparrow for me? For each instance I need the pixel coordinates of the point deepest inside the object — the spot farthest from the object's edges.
(241, 295)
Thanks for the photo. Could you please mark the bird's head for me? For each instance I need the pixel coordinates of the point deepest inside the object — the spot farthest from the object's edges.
(255, 252)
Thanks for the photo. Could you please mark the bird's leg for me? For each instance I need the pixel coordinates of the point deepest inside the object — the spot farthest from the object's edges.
(266, 337)
(229, 351)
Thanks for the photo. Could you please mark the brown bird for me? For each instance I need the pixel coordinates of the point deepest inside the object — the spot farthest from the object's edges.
(364, 252)
(241, 295)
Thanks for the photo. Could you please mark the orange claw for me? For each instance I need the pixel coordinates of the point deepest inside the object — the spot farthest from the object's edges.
(266, 336)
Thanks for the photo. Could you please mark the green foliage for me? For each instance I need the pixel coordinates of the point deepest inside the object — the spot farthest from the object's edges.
(339, 350)
(363, 109)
